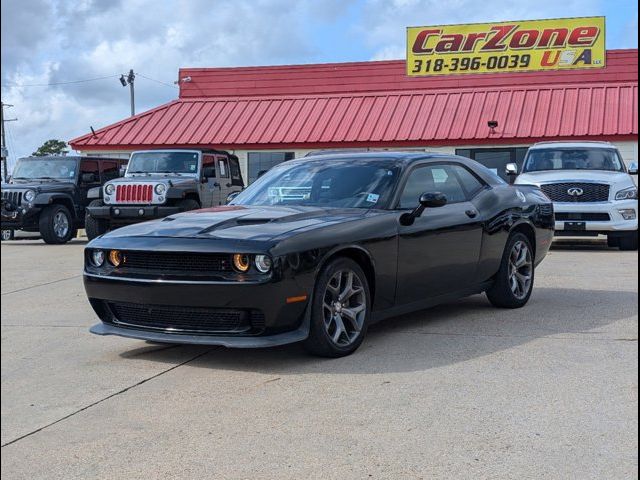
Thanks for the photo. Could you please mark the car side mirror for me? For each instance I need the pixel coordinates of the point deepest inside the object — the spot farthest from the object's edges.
(633, 169)
(427, 200)
(88, 178)
(512, 172)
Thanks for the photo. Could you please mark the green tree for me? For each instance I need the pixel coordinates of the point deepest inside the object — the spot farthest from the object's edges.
(51, 147)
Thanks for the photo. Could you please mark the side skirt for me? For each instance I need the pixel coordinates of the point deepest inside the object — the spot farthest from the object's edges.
(429, 302)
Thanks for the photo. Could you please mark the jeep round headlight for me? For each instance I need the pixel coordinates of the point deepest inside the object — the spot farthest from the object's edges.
(109, 189)
(29, 195)
(630, 193)
(97, 258)
(263, 263)
(241, 262)
(161, 188)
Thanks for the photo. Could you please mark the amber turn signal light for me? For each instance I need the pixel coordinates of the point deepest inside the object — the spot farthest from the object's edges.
(115, 257)
(241, 262)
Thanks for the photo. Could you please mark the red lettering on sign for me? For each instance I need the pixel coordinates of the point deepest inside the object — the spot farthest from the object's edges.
(472, 39)
(524, 39)
(556, 35)
(419, 46)
(583, 36)
(496, 42)
(449, 43)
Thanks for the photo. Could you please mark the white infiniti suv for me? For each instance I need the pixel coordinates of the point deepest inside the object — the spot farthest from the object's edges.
(591, 189)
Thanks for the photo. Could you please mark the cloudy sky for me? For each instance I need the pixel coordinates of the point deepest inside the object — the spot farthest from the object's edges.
(47, 43)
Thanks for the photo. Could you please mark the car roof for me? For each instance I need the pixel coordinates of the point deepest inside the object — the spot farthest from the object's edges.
(69, 157)
(584, 144)
(399, 156)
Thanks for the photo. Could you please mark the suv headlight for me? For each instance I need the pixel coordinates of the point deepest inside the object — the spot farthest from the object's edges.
(630, 193)
(161, 188)
(109, 189)
(29, 195)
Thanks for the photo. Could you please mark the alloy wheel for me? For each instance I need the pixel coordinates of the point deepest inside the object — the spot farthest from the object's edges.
(344, 307)
(60, 224)
(520, 270)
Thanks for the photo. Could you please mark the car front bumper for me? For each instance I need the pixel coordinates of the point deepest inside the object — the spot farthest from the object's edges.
(20, 218)
(576, 217)
(282, 322)
(131, 213)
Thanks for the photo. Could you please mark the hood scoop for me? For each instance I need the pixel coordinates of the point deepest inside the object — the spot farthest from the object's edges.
(237, 222)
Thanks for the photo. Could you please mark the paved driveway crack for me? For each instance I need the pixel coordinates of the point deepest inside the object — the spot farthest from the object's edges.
(120, 392)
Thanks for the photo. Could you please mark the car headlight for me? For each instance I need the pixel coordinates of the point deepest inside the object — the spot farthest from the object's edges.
(97, 258)
(241, 262)
(630, 193)
(263, 263)
(29, 195)
(109, 189)
(161, 188)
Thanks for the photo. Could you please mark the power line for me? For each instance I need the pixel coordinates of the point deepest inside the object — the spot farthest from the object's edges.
(57, 83)
(154, 80)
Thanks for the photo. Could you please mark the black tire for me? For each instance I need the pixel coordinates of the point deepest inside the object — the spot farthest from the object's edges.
(629, 242)
(8, 234)
(49, 230)
(94, 227)
(502, 293)
(188, 204)
(352, 332)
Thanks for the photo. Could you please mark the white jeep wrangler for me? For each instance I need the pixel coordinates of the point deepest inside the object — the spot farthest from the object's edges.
(591, 189)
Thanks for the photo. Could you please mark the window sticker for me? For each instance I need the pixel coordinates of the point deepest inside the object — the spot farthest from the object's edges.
(439, 175)
(192, 167)
(373, 198)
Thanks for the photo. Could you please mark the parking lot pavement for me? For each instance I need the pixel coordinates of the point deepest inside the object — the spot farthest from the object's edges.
(458, 391)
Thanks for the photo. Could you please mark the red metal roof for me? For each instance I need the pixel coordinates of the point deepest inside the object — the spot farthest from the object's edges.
(375, 104)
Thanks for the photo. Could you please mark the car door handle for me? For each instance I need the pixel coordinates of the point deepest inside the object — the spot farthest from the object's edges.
(471, 213)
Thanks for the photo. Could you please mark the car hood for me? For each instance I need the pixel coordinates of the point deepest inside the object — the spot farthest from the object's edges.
(240, 222)
(169, 180)
(42, 186)
(539, 178)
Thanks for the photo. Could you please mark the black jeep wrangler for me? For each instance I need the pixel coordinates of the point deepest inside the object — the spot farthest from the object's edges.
(49, 194)
(158, 183)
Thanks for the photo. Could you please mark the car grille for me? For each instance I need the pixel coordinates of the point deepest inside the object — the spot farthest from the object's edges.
(582, 216)
(134, 193)
(591, 192)
(14, 197)
(177, 319)
(187, 262)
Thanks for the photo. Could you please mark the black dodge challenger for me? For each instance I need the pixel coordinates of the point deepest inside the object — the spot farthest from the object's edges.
(317, 249)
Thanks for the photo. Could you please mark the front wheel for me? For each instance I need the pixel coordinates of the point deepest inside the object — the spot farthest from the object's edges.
(7, 234)
(629, 242)
(56, 224)
(340, 310)
(514, 282)
(94, 227)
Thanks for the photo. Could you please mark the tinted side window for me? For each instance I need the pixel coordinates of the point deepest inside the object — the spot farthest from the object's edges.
(110, 170)
(236, 175)
(90, 166)
(456, 182)
(209, 162)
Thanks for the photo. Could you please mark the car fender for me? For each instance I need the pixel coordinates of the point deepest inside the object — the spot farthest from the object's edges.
(44, 199)
(179, 193)
(94, 193)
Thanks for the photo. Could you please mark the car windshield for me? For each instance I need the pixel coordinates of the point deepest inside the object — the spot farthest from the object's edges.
(343, 183)
(539, 160)
(163, 162)
(45, 168)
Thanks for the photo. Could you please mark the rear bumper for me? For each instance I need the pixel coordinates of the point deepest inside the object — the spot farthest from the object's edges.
(615, 223)
(131, 213)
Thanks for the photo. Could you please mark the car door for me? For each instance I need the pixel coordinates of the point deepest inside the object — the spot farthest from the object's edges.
(210, 186)
(439, 252)
(87, 167)
(224, 178)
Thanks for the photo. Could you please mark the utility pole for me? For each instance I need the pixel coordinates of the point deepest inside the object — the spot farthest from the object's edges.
(128, 80)
(3, 138)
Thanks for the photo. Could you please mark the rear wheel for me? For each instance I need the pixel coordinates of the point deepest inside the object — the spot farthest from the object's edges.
(629, 241)
(7, 234)
(95, 226)
(56, 224)
(514, 282)
(339, 310)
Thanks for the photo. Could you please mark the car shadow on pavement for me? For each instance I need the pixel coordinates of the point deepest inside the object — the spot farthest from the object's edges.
(433, 338)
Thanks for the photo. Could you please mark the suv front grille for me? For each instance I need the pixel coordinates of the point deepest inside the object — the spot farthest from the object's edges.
(14, 197)
(134, 193)
(582, 216)
(176, 319)
(172, 262)
(591, 192)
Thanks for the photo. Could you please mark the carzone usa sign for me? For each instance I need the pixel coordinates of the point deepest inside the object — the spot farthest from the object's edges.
(560, 44)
